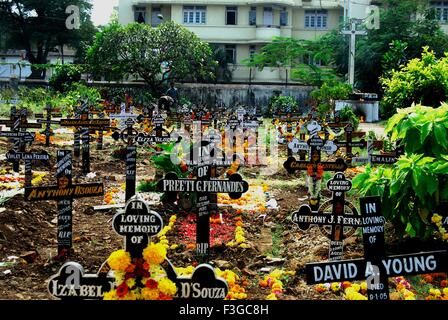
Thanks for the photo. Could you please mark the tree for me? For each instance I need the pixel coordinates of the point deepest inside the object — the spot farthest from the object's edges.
(299, 55)
(158, 55)
(405, 27)
(39, 27)
(422, 81)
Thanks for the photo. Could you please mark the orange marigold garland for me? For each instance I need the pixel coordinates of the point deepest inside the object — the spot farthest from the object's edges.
(141, 278)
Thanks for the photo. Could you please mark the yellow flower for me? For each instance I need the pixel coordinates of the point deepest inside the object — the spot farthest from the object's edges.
(272, 296)
(119, 260)
(356, 287)
(335, 286)
(435, 292)
(154, 253)
(445, 291)
(174, 246)
(119, 276)
(364, 286)
(149, 294)
(111, 295)
(436, 218)
(167, 287)
(130, 282)
(243, 245)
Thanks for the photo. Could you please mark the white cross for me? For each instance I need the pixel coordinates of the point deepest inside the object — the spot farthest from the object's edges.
(353, 33)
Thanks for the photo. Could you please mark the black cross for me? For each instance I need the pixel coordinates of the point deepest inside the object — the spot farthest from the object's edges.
(203, 186)
(19, 123)
(85, 124)
(28, 158)
(376, 267)
(64, 192)
(49, 114)
(348, 144)
(128, 136)
(336, 219)
(315, 145)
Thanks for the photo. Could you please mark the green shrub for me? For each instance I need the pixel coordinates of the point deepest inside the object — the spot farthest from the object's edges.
(347, 115)
(64, 76)
(416, 185)
(283, 104)
(422, 81)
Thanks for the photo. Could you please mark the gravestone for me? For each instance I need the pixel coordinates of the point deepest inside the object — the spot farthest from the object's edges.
(72, 283)
(376, 267)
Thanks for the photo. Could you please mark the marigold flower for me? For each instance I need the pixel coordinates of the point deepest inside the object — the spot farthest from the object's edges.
(149, 294)
(119, 260)
(167, 287)
(111, 295)
(154, 253)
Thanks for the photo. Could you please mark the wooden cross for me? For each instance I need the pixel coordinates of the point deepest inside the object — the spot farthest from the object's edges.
(348, 144)
(64, 192)
(86, 125)
(46, 119)
(28, 158)
(128, 136)
(376, 267)
(314, 165)
(332, 223)
(19, 123)
(204, 186)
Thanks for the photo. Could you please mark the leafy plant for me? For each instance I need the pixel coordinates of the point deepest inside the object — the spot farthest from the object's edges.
(347, 115)
(64, 75)
(422, 81)
(283, 104)
(415, 185)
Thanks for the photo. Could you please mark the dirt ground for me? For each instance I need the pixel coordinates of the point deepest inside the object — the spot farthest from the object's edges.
(28, 231)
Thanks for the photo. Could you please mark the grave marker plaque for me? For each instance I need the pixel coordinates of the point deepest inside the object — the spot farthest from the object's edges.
(71, 283)
(135, 224)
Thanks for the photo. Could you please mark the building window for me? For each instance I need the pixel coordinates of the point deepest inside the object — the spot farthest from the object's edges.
(155, 20)
(441, 8)
(252, 52)
(268, 16)
(283, 17)
(316, 19)
(231, 13)
(140, 14)
(195, 14)
(230, 53)
(253, 16)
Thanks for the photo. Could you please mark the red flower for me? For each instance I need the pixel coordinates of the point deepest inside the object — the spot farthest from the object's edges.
(122, 290)
(151, 284)
(444, 283)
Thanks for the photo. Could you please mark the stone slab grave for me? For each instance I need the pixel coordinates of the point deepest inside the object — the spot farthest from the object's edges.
(136, 224)
(47, 120)
(64, 193)
(334, 221)
(376, 267)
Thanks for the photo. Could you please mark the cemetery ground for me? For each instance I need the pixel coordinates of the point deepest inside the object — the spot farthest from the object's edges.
(271, 241)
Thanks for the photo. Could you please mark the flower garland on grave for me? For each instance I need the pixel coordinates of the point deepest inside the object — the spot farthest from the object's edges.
(11, 181)
(235, 283)
(275, 283)
(437, 220)
(141, 279)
